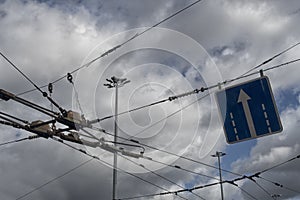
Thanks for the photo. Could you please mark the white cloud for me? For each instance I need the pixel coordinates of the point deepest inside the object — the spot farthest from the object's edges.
(49, 39)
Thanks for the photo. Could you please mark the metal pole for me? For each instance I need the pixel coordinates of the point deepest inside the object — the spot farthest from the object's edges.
(220, 172)
(115, 140)
(220, 154)
(115, 82)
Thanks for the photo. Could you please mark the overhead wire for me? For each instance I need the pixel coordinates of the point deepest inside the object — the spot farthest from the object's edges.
(280, 65)
(111, 50)
(157, 174)
(272, 58)
(265, 62)
(244, 177)
(266, 70)
(19, 140)
(24, 75)
(246, 192)
(92, 157)
(70, 79)
(280, 185)
(54, 179)
(116, 47)
(202, 89)
(45, 94)
(13, 117)
(280, 164)
(108, 164)
(225, 82)
(178, 167)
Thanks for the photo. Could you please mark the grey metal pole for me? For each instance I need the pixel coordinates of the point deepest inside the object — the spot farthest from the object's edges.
(220, 172)
(115, 140)
(220, 154)
(115, 82)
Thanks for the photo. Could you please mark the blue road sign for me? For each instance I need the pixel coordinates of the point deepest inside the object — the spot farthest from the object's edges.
(248, 110)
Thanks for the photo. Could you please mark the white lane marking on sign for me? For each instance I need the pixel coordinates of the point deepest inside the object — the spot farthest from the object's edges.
(266, 117)
(243, 98)
(234, 126)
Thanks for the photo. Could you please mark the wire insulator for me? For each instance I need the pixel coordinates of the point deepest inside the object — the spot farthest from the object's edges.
(50, 88)
(261, 72)
(203, 89)
(33, 137)
(70, 78)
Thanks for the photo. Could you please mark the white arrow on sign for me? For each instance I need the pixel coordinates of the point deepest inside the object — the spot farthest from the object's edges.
(243, 98)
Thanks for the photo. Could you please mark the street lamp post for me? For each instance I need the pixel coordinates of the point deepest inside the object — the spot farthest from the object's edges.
(116, 83)
(220, 154)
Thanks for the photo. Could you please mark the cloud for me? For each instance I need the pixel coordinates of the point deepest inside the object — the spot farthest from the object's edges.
(210, 42)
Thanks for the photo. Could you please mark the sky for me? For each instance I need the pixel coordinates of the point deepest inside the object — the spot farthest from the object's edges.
(208, 43)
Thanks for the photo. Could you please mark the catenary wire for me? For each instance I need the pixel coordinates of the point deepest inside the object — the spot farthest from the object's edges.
(196, 91)
(212, 184)
(108, 164)
(276, 56)
(272, 58)
(280, 164)
(267, 69)
(24, 75)
(92, 157)
(276, 67)
(279, 185)
(156, 174)
(198, 187)
(271, 68)
(116, 47)
(280, 65)
(45, 94)
(164, 151)
(19, 140)
(262, 188)
(217, 85)
(54, 179)
(13, 117)
(246, 192)
(70, 79)
(184, 169)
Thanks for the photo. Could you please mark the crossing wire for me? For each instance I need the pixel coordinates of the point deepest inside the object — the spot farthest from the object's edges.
(164, 151)
(108, 164)
(54, 179)
(186, 158)
(279, 185)
(183, 169)
(271, 68)
(156, 174)
(92, 157)
(45, 94)
(225, 82)
(111, 50)
(280, 65)
(106, 53)
(202, 89)
(246, 192)
(18, 140)
(256, 175)
(272, 58)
